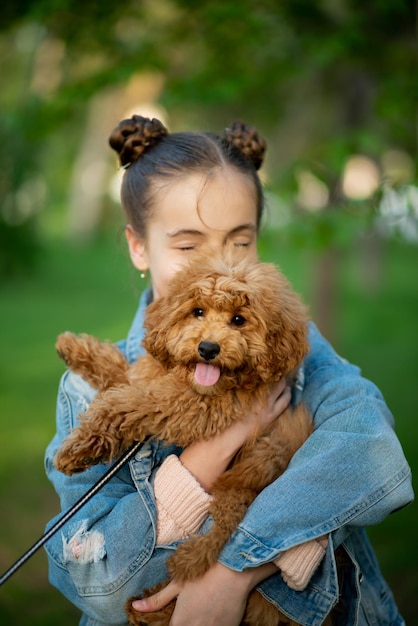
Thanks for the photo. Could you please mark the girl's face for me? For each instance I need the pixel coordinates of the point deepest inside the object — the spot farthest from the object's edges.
(191, 214)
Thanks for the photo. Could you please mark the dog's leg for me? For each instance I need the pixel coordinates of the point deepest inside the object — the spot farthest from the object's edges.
(257, 465)
(199, 553)
(119, 416)
(102, 365)
(111, 423)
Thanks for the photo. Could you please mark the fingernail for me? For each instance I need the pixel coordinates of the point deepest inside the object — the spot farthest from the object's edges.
(139, 605)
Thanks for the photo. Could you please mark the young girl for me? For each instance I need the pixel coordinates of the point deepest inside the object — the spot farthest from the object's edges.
(185, 193)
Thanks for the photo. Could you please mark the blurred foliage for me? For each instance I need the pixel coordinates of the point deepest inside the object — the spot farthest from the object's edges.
(322, 80)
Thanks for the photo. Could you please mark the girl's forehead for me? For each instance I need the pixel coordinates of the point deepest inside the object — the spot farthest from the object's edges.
(222, 200)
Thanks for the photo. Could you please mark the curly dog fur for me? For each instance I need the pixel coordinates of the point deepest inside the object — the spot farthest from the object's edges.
(222, 334)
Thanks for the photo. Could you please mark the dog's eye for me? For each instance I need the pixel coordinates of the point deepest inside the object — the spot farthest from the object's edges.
(198, 312)
(238, 320)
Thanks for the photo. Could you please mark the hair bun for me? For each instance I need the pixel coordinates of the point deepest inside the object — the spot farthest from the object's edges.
(135, 135)
(247, 140)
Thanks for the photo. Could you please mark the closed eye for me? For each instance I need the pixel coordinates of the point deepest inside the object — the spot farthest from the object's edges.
(238, 320)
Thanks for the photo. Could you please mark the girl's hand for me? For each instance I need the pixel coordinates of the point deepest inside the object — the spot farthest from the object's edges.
(207, 460)
(276, 403)
(207, 601)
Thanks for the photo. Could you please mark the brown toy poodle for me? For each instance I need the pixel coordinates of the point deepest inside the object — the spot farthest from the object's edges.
(214, 343)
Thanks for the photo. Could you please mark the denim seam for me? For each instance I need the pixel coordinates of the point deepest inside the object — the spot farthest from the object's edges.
(375, 497)
(66, 403)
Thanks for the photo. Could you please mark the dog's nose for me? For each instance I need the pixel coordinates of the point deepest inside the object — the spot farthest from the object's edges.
(208, 350)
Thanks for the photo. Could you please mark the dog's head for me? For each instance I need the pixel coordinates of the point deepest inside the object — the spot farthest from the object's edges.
(228, 325)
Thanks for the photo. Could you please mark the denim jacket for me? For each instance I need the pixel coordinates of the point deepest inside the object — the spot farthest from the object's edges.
(351, 473)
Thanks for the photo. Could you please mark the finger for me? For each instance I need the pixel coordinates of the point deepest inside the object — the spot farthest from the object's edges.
(278, 388)
(285, 392)
(159, 600)
(283, 401)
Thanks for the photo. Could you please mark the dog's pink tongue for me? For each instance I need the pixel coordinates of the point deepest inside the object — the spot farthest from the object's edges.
(206, 374)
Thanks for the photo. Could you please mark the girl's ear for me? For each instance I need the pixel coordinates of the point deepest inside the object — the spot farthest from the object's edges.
(137, 250)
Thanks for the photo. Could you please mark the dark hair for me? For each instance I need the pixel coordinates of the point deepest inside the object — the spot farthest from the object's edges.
(148, 151)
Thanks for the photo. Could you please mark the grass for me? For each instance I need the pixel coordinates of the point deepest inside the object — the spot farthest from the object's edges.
(93, 290)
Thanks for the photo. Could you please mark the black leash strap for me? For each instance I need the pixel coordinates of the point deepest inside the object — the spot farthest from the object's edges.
(126, 456)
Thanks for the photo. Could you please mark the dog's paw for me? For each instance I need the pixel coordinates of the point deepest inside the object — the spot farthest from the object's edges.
(71, 466)
(68, 464)
(65, 346)
(77, 456)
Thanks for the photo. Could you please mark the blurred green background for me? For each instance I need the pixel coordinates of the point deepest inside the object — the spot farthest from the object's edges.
(331, 84)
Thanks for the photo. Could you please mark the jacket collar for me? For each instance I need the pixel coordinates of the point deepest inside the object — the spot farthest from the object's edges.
(136, 333)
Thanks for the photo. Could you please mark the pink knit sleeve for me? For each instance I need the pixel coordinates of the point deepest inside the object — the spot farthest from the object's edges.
(182, 504)
(298, 564)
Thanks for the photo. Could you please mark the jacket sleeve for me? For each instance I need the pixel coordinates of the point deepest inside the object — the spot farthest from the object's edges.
(97, 559)
(350, 472)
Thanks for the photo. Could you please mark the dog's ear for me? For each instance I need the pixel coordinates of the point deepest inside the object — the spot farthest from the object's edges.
(156, 323)
(164, 314)
(286, 320)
